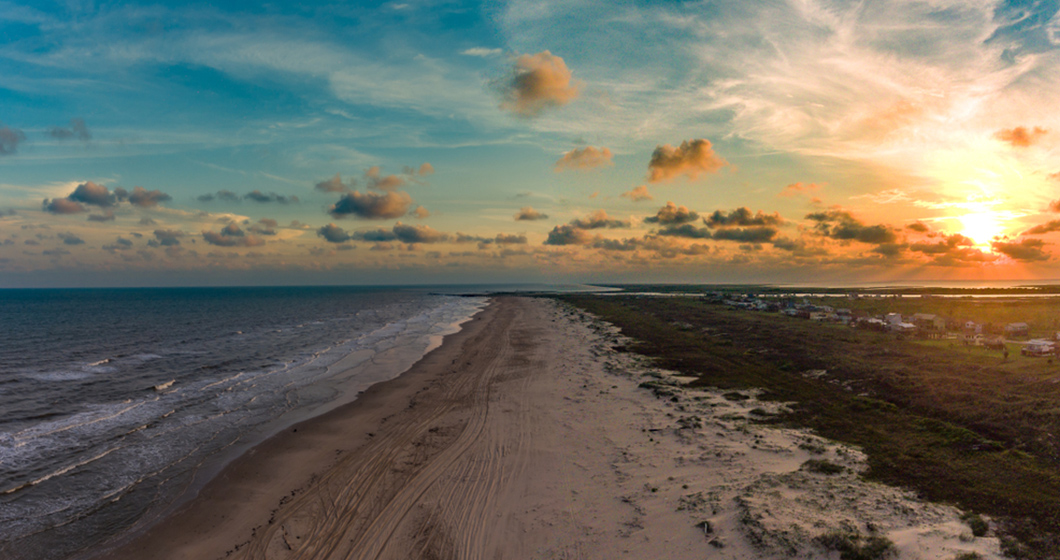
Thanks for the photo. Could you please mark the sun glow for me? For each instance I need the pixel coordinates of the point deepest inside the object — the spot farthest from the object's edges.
(982, 227)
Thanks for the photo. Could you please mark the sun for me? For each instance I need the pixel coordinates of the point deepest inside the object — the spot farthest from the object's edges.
(982, 227)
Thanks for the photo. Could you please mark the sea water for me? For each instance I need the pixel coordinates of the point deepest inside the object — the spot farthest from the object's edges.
(116, 404)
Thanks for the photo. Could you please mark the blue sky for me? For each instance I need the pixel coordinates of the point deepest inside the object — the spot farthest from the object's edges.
(885, 141)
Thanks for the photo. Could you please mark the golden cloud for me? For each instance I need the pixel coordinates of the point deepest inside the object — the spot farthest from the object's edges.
(1021, 136)
(586, 158)
(692, 159)
(540, 81)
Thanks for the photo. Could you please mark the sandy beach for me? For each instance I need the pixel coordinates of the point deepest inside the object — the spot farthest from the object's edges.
(527, 435)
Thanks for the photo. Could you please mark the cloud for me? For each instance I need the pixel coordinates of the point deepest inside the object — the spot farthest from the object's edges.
(146, 199)
(599, 219)
(692, 159)
(686, 230)
(372, 206)
(950, 243)
(10, 138)
(510, 239)
(528, 214)
(919, 227)
(94, 194)
(795, 189)
(62, 206)
(742, 217)
(334, 184)
(120, 244)
(264, 226)
(333, 234)
(1042, 229)
(107, 216)
(223, 195)
(841, 225)
(672, 214)
(77, 129)
(168, 237)
(481, 52)
(418, 234)
(232, 236)
(420, 212)
(425, 169)
(760, 234)
(380, 182)
(638, 194)
(403, 233)
(1021, 137)
(584, 159)
(1027, 250)
(258, 196)
(568, 235)
(539, 81)
(71, 239)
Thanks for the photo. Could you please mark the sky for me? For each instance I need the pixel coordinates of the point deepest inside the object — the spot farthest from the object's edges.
(430, 142)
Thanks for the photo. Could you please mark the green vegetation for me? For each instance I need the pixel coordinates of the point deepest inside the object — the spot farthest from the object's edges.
(820, 466)
(855, 546)
(957, 426)
(976, 523)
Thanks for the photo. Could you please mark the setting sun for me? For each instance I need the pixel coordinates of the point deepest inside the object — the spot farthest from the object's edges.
(981, 227)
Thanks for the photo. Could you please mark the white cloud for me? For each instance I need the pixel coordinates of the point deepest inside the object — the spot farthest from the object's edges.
(482, 52)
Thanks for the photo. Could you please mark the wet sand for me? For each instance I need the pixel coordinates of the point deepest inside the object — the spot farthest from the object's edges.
(526, 436)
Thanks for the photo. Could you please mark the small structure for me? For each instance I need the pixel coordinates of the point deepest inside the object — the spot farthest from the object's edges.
(929, 321)
(893, 318)
(1017, 330)
(903, 327)
(971, 327)
(1039, 347)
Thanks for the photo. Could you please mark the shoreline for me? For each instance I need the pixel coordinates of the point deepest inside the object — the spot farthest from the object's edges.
(282, 440)
(528, 434)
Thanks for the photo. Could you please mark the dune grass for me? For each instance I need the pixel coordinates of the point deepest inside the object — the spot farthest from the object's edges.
(961, 427)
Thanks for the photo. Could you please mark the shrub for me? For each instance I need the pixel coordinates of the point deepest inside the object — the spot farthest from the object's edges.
(854, 546)
(820, 466)
(976, 523)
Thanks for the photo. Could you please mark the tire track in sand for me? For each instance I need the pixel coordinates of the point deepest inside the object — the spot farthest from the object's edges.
(438, 444)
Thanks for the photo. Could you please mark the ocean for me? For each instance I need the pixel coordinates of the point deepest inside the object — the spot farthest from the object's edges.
(116, 404)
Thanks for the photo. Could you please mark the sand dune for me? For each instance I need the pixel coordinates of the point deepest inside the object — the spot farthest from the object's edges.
(526, 436)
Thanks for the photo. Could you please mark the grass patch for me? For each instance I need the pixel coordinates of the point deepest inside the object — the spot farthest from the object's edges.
(957, 425)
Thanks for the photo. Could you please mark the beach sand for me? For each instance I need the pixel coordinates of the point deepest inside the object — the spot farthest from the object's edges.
(526, 435)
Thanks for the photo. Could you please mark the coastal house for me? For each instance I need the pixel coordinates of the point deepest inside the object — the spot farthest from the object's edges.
(1017, 330)
(929, 321)
(893, 318)
(971, 327)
